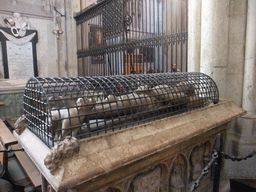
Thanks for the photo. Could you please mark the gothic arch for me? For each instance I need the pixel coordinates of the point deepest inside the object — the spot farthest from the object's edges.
(178, 173)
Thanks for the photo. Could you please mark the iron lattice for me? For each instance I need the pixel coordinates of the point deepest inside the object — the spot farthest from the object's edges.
(88, 106)
(132, 36)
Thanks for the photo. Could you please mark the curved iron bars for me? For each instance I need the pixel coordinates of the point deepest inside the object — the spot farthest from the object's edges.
(111, 102)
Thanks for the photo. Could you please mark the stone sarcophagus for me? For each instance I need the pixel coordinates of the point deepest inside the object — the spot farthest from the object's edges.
(151, 132)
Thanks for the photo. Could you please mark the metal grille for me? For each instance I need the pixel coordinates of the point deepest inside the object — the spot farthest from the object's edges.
(117, 37)
(88, 106)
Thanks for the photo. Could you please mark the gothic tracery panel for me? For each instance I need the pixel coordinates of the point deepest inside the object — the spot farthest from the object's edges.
(178, 175)
(150, 181)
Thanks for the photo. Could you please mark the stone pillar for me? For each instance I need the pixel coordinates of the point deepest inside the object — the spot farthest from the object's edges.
(250, 59)
(214, 41)
(246, 124)
(244, 133)
(235, 68)
(194, 35)
(71, 67)
(237, 32)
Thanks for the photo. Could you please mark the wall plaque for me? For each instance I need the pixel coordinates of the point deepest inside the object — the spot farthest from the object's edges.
(19, 53)
(20, 60)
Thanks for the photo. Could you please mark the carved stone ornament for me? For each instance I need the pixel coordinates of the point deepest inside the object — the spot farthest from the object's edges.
(19, 125)
(63, 150)
(18, 41)
(18, 24)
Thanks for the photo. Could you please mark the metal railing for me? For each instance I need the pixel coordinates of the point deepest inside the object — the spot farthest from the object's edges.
(216, 163)
(117, 37)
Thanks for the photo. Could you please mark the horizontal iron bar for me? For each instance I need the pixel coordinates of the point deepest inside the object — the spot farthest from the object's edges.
(160, 40)
(11, 150)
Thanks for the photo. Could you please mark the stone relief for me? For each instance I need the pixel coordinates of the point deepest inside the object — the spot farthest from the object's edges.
(174, 179)
(19, 125)
(176, 183)
(147, 182)
(197, 162)
(18, 24)
(65, 149)
(178, 174)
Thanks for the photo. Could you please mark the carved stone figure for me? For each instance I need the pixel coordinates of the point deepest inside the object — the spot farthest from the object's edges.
(65, 118)
(19, 125)
(17, 24)
(63, 150)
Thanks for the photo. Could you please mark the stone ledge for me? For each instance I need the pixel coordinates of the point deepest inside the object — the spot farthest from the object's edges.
(12, 85)
(102, 154)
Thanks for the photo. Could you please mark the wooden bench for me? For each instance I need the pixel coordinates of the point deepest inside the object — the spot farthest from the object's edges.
(8, 140)
(29, 168)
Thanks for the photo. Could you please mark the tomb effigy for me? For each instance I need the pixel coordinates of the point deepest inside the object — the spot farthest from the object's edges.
(126, 133)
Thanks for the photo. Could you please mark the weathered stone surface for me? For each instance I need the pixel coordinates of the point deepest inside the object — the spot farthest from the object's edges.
(130, 149)
(12, 84)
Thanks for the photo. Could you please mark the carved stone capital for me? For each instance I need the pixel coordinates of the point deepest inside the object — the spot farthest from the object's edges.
(63, 150)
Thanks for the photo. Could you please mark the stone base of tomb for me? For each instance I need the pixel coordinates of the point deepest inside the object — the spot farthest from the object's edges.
(163, 155)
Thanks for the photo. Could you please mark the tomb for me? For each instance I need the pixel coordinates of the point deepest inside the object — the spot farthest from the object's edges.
(144, 132)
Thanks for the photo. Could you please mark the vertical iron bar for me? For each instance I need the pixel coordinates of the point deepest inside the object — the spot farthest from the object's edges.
(171, 31)
(150, 25)
(124, 39)
(142, 33)
(181, 30)
(176, 31)
(166, 29)
(186, 36)
(146, 29)
(157, 33)
(217, 164)
(154, 31)
(162, 34)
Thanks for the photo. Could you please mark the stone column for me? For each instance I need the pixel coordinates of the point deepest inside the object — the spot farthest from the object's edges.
(237, 32)
(214, 41)
(244, 133)
(194, 35)
(246, 124)
(250, 59)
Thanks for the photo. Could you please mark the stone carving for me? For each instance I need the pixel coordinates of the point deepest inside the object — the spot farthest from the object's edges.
(18, 25)
(178, 174)
(63, 150)
(18, 41)
(176, 180)
(67, 117)
(149, 181)
(19, 125)
(196, 162)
